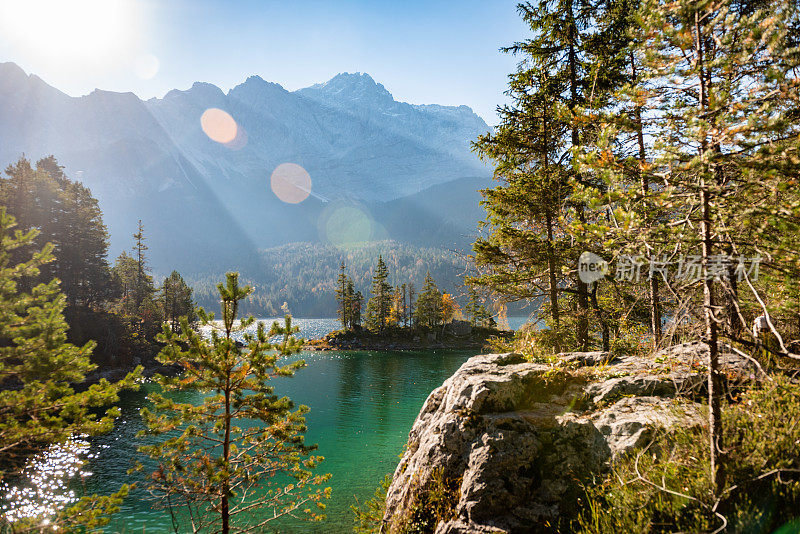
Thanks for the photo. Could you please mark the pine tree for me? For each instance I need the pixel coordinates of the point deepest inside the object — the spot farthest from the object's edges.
(38, 367)
(484, 318)
(568, 64)
(357, 302)
(211, 459)
(720, 90)
(473, 306)
(68, 216)
(177, 301)
(344, 304)
(380, 304)
(428, 312)
(124, 273)
(83, 265)
(143, 288)
(138, 303)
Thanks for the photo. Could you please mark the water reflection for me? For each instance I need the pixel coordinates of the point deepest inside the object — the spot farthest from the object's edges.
(42, 489)
(362, 406)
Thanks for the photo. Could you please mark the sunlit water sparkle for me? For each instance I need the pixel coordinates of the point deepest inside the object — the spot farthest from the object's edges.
(362, 406)
(43, 486)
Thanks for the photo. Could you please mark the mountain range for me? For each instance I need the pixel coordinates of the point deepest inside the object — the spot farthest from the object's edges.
(380, 169)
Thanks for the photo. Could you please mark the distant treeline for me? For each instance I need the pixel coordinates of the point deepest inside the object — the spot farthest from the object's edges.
(303, 275)
(401, 306)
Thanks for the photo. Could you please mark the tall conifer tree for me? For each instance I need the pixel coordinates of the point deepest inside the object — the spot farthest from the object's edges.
(214, 464)
(380, 304)
(568, 64)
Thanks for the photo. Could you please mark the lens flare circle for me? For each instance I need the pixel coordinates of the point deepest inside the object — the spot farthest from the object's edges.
(291, 183)
(347, 225)
(147, 66)
(241, 139)
(219, 126)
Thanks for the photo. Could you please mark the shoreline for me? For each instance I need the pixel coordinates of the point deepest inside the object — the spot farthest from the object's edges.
(399, 339)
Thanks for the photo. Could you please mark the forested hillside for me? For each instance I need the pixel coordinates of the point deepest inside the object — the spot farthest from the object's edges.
(303, 275)
(208, 202)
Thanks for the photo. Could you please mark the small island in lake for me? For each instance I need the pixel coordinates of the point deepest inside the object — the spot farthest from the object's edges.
(399, 319)
(457, 334)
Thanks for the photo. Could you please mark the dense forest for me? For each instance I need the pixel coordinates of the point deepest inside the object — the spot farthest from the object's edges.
(118, 307)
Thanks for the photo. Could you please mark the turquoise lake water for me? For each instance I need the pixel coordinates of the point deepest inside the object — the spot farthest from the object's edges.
(362, 407)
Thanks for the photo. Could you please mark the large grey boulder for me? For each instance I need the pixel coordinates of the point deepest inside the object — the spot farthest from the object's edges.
(513, 440)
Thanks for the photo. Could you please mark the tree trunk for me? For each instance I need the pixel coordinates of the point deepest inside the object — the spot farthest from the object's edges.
(709, 304)
(553, 282)
(226, 454)
(711, 334)
(655, 304)
(583, 289)
(583, 307)
(732, 298)
(601, 319)
(551, 267)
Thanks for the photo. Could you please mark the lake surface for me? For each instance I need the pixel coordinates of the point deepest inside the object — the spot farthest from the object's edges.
(362, 406)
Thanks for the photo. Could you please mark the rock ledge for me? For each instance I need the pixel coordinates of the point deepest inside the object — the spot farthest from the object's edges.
(515, 439)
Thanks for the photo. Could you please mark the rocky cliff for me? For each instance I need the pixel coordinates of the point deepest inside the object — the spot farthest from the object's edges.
(512, 442)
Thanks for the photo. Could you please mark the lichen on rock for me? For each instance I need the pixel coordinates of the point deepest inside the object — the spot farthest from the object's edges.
(524, 437)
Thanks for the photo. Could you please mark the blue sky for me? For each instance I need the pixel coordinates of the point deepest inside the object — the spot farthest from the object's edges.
(435, 51)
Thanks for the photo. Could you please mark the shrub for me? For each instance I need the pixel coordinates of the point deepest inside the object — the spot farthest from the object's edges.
(666, 487)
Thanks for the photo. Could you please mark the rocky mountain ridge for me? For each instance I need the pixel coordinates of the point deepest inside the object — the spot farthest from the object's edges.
(151, 160)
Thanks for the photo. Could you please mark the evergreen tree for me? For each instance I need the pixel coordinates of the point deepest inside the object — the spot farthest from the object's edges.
(138, 303)
(39, 405)
(380, 304)
(68, 216)
(177, 301)
(722, 114)
(484, 318)
(357, 301)
(568, 64)
(428, 312)
(474, 309)
(214, 464)
(344, 304)
(124, 272)
(143, 282)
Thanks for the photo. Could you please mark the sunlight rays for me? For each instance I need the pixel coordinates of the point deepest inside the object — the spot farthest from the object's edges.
(89, 33)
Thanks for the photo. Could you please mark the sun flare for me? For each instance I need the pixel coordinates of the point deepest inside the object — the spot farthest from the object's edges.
(87, 32)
